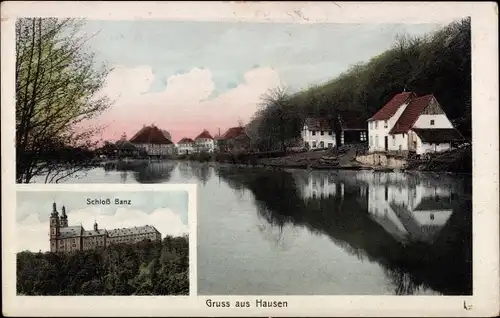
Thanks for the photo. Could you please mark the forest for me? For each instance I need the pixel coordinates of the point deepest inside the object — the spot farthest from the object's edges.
(438, 63)
(145, 268)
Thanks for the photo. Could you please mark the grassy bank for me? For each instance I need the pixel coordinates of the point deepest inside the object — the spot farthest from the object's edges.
(146, 268)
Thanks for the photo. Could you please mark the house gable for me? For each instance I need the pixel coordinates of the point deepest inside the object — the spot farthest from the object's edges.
(411, 114)
(204, 135)
(391, 107)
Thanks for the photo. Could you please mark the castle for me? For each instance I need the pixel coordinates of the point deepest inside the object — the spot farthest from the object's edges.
(64, 238)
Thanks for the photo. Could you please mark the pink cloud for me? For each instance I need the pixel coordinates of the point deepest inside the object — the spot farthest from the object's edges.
(183, 108)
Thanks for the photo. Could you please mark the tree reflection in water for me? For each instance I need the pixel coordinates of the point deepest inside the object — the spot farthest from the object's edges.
(354, 211)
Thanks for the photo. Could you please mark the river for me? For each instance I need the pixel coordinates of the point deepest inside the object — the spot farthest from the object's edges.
(297, 232)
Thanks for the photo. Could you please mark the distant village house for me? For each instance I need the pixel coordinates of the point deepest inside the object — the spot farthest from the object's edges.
(185, 146)
(153, 141)
(204, 142)
(408, 123)
(318, 133)
(234, 139)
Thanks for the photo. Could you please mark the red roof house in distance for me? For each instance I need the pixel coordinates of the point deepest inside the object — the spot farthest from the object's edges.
(185, 146)
(235, 138)
(204, 142)
(153, 141)
(411, 124)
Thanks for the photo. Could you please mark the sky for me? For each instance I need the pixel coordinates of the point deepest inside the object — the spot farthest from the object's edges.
(189, 76)
(166, 211)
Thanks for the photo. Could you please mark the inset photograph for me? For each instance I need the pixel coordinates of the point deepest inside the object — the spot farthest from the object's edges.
(102, 243)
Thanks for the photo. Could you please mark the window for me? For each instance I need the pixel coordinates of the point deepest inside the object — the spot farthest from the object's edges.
(322, 133)
(330, 132)
(376, 124)
(330, 145)
(362, 136)
(322, 144)
(432, 122)
(313, 133)
(393, 140)
(385, 123)
(376, 141)
(314, 144)
(371, 140)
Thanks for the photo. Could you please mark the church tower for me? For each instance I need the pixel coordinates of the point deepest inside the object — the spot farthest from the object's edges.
(64, 218)
(54, 228)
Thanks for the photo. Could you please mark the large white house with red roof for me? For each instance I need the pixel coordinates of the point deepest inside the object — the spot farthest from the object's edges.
(411, 123)
(204, 142)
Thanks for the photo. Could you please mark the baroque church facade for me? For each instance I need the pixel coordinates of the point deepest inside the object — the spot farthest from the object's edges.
(65, 238)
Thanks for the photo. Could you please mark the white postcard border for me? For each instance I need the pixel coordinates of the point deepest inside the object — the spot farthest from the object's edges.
(484, 21)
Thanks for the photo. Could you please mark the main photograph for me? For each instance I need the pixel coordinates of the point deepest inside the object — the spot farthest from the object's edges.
(330, 158)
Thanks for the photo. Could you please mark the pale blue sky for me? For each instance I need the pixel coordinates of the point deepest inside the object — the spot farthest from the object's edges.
(302, 54)
(40, 202)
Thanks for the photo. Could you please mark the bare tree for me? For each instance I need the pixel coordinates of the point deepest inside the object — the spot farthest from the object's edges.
(56, 85)
(276, 123)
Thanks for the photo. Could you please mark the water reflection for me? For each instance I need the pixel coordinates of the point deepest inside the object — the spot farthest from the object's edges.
(406, 223)
(143, 172)
(344, 232)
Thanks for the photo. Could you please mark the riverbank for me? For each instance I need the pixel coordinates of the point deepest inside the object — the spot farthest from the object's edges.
(346, 158)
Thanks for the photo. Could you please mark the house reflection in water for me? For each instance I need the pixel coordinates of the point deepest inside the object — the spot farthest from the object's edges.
(317, 184)
(408, 209)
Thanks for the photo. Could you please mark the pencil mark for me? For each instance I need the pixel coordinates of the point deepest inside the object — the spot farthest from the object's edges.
(467, 307)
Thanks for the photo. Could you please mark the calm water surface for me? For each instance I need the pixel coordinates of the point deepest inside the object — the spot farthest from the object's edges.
(300, 232)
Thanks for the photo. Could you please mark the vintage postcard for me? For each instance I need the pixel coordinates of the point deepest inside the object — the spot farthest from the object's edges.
(338, 158)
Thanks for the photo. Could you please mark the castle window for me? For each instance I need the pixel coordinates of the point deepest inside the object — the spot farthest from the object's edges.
(432, 122)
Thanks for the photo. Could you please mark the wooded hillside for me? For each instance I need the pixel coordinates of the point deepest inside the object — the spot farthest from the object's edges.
(146, 268)
(438, 64)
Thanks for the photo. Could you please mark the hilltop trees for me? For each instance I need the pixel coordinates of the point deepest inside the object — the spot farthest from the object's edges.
(146, 268)
(57, 82)
(438, 64)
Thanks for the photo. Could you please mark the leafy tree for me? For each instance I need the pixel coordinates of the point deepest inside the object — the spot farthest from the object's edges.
(57, 81)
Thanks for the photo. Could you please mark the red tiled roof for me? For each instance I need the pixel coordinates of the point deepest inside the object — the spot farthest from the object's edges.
(186, 141)
(411, 114)
(392, 106)
(233, 132)
(205, 135)
(150, 135)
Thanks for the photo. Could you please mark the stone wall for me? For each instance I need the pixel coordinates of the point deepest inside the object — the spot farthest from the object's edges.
(382, 160)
